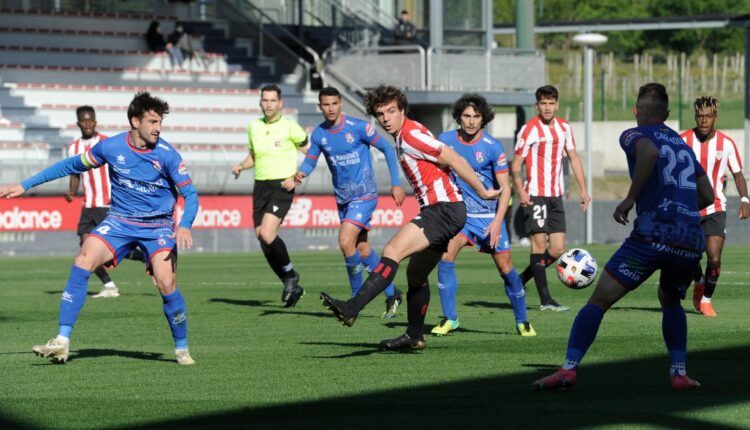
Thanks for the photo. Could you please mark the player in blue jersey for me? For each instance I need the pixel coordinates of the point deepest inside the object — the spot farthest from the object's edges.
(345, 143)
(666, 236)
(485, 225)
(146, 174)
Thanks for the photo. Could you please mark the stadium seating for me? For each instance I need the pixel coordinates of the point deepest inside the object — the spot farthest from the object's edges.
(50, 63)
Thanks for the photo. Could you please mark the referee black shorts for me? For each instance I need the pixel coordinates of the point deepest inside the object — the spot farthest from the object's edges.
(269, 197)
(440, 222)
(90, 218)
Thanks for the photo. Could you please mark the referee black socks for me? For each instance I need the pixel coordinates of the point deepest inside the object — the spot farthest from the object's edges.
(378, 280)
(277, 257)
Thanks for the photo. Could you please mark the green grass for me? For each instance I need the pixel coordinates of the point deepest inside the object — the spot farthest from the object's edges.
(263, 366)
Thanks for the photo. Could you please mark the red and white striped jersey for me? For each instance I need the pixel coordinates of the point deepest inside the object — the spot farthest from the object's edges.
(715, 155)
(418, 151)
(543, 147)
(96, 187)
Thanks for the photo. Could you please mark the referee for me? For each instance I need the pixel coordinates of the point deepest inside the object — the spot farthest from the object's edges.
(273, 142)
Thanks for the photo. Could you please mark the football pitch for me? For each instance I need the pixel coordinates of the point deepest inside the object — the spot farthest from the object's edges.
(260, 365)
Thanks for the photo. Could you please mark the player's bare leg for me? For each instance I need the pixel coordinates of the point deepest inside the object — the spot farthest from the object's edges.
(93, 253)
(274, 249)
(702, 302)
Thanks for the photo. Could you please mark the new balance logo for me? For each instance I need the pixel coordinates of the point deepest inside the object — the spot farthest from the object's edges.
(67, 297)
(179, 318)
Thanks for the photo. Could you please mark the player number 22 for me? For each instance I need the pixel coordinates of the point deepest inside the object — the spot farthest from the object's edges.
(683, 181)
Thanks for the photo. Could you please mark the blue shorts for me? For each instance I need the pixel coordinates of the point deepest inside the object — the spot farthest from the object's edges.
(358, 212)
(635, 261)
(121, 236)
(474, 232)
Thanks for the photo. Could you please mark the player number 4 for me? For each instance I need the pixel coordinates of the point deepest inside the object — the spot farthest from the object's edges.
(103, 229)
(683, 181)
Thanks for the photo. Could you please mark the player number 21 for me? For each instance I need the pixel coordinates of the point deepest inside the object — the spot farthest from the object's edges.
(683, 181)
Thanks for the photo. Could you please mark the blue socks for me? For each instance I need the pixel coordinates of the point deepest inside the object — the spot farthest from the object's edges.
(371, 262)
(175, 311)
(582, 334)
(354, 270)
(516, 294)
(447, 287)
(674, 329)
(73, 299)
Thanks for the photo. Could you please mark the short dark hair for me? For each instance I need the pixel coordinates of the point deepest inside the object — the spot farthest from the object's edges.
(84, 108)
(143, 102)
(653, 101)
(404, 11)
(328, 91)
(477, 102)
(383, 94)
(271, 87)
(546, 92)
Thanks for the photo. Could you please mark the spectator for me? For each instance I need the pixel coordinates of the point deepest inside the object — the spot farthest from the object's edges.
(405, 33)
(176, 43)
(155, 38)
(196, 49)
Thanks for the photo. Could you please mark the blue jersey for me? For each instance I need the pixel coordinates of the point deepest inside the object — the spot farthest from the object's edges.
(487, 157)
(346, 148)
(667, 206)
(144, 181)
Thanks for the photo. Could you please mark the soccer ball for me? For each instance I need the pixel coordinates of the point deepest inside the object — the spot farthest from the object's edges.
(577, 269)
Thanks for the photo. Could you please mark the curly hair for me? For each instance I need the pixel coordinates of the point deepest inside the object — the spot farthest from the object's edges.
(477, 102)
(383, 94)
(706, 102)
(143, 102)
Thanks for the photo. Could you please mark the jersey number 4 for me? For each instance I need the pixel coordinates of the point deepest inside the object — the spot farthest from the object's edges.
(683, 180)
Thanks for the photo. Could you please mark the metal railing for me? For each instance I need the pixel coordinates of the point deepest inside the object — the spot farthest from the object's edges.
(442, 69)
(403, 66)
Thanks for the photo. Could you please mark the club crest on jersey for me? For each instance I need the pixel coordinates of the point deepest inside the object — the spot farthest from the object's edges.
(349, 137)
(161, 241)
(182, 169)
(156, 165)
(479, 156)
(120, 159)
(540, 223)
(719, 155)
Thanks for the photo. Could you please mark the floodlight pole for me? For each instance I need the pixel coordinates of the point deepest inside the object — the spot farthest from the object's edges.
(589, 41)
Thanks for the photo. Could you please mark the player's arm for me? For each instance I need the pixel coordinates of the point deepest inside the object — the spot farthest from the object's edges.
(311, 160)
(739, 181)
(495, 227)
(645, 160)
(247, 163)
(390, 158)
(464, 171)
(69, 166)
(75, 181)
(515, 168)
(577, 166)
(705, 191)
(181, 179)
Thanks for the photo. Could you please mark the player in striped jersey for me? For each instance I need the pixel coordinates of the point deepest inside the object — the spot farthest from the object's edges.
(716, 152)
(427, 162)
(540, 147)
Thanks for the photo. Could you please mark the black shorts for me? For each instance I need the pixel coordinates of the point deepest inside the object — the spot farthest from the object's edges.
(440, 222)
(546, 215)
(715, 224)
(269, 197)
(90, 218)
